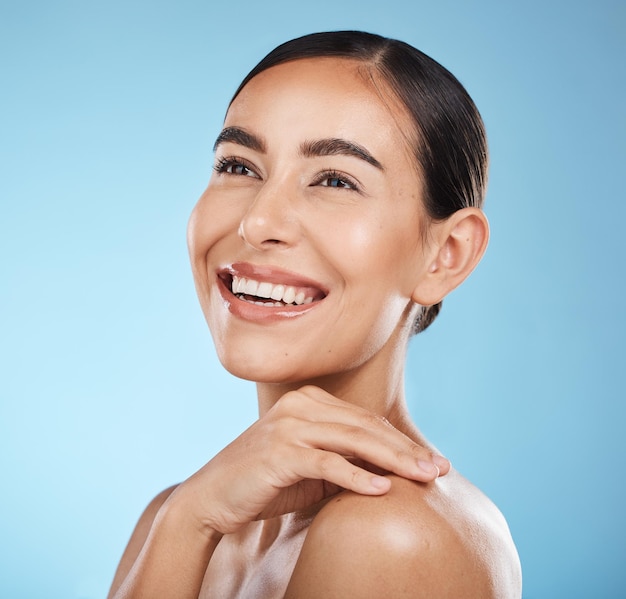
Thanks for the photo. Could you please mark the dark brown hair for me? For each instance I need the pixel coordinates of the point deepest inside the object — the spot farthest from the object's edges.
(450, 144)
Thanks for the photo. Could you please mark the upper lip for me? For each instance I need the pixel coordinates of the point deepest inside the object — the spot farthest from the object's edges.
(272, 274)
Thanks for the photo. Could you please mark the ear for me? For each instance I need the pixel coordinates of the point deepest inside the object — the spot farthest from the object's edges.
(457, 245)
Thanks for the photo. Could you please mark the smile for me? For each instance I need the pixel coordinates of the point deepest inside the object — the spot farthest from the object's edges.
(264, 293)
(268, 294)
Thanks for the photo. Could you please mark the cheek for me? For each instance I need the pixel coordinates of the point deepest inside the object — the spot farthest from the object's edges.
(209, 222)
(377, 259)
(379, 250)
(203, 232)
(193, 226)
(354, 241)
(198, 242)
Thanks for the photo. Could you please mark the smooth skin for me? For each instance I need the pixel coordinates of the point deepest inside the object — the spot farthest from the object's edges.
(333, 491)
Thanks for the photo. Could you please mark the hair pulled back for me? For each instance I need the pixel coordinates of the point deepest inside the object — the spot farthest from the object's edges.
(450, 144)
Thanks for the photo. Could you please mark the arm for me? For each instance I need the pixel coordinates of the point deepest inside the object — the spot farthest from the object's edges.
(167, 555)
(137, 540)
(293, 457)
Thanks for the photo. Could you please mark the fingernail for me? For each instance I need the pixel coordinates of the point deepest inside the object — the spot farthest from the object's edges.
(428, 467)
(379, 482)
(441, 462)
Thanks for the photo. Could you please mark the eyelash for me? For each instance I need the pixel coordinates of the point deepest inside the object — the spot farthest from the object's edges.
(223, 164)
(346, 183)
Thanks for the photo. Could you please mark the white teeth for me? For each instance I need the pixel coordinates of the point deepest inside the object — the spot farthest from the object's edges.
(251, 287)
(265, 304)
(281, 293)
(277, 292)
(265, 290)
(289, 295)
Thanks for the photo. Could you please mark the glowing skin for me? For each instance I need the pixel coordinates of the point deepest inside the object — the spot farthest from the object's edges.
(346, 225)
(310, 268)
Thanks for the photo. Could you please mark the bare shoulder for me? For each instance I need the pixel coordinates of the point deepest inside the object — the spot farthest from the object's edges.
(138, 538)
(436, 540)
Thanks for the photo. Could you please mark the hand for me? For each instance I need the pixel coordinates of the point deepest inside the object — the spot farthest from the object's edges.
(306, 448)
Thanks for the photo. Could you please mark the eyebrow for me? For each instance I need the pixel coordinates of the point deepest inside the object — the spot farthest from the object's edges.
(322, 147)
(335, 146)
(241, 137)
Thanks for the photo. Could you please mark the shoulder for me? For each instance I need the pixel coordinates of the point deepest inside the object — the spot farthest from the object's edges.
(138, 538)
(436, 540)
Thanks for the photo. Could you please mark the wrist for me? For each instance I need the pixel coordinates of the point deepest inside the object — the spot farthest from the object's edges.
(179, 517)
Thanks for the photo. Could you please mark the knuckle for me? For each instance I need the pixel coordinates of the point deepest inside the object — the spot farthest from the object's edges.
(355, 476)
(386, 422)
(308, 389)
(418, 451)
(401, 456)
(406, 458)
(287, 403)
(298, 402)
(411, 449)
(357, 434)
(325, 463)
(376, 421)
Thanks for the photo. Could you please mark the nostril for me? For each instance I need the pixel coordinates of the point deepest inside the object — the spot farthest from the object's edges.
(268, 225)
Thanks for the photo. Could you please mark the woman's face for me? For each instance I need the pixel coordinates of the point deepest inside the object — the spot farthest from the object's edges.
(316, 203)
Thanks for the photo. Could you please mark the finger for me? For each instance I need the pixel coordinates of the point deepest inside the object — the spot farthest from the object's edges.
(393, 453)
(314, 405)
(442, 463)
(333, 468)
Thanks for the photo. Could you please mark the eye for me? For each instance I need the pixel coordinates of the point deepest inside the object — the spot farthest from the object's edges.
(235, 166)
(336, 180)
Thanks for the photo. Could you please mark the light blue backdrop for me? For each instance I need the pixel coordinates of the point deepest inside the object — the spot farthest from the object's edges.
(109, 388)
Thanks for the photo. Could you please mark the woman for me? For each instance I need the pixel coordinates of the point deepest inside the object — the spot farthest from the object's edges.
(345, 204)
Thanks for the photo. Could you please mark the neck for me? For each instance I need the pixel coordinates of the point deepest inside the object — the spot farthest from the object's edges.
(376, 385)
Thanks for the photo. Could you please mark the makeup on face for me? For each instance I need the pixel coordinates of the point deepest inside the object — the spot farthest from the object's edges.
(306, 244)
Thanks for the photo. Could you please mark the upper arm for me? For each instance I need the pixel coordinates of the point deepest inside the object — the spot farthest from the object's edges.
(137, 539)
(394, 545)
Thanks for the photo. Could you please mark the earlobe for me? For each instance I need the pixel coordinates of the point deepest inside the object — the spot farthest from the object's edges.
(458, 245)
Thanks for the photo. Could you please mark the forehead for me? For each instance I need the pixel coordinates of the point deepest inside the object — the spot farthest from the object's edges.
(322, 97)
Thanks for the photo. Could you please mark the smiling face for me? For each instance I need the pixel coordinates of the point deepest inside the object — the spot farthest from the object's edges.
(305, 246)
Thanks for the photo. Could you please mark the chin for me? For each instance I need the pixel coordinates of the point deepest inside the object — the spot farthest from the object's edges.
(275, 367)
(258, 368)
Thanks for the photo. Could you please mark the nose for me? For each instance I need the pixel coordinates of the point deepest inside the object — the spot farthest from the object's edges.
(270, 222)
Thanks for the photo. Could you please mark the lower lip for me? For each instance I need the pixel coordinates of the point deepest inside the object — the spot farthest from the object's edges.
(263, 314)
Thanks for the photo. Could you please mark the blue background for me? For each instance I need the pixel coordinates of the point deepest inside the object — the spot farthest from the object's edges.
(109, 388)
